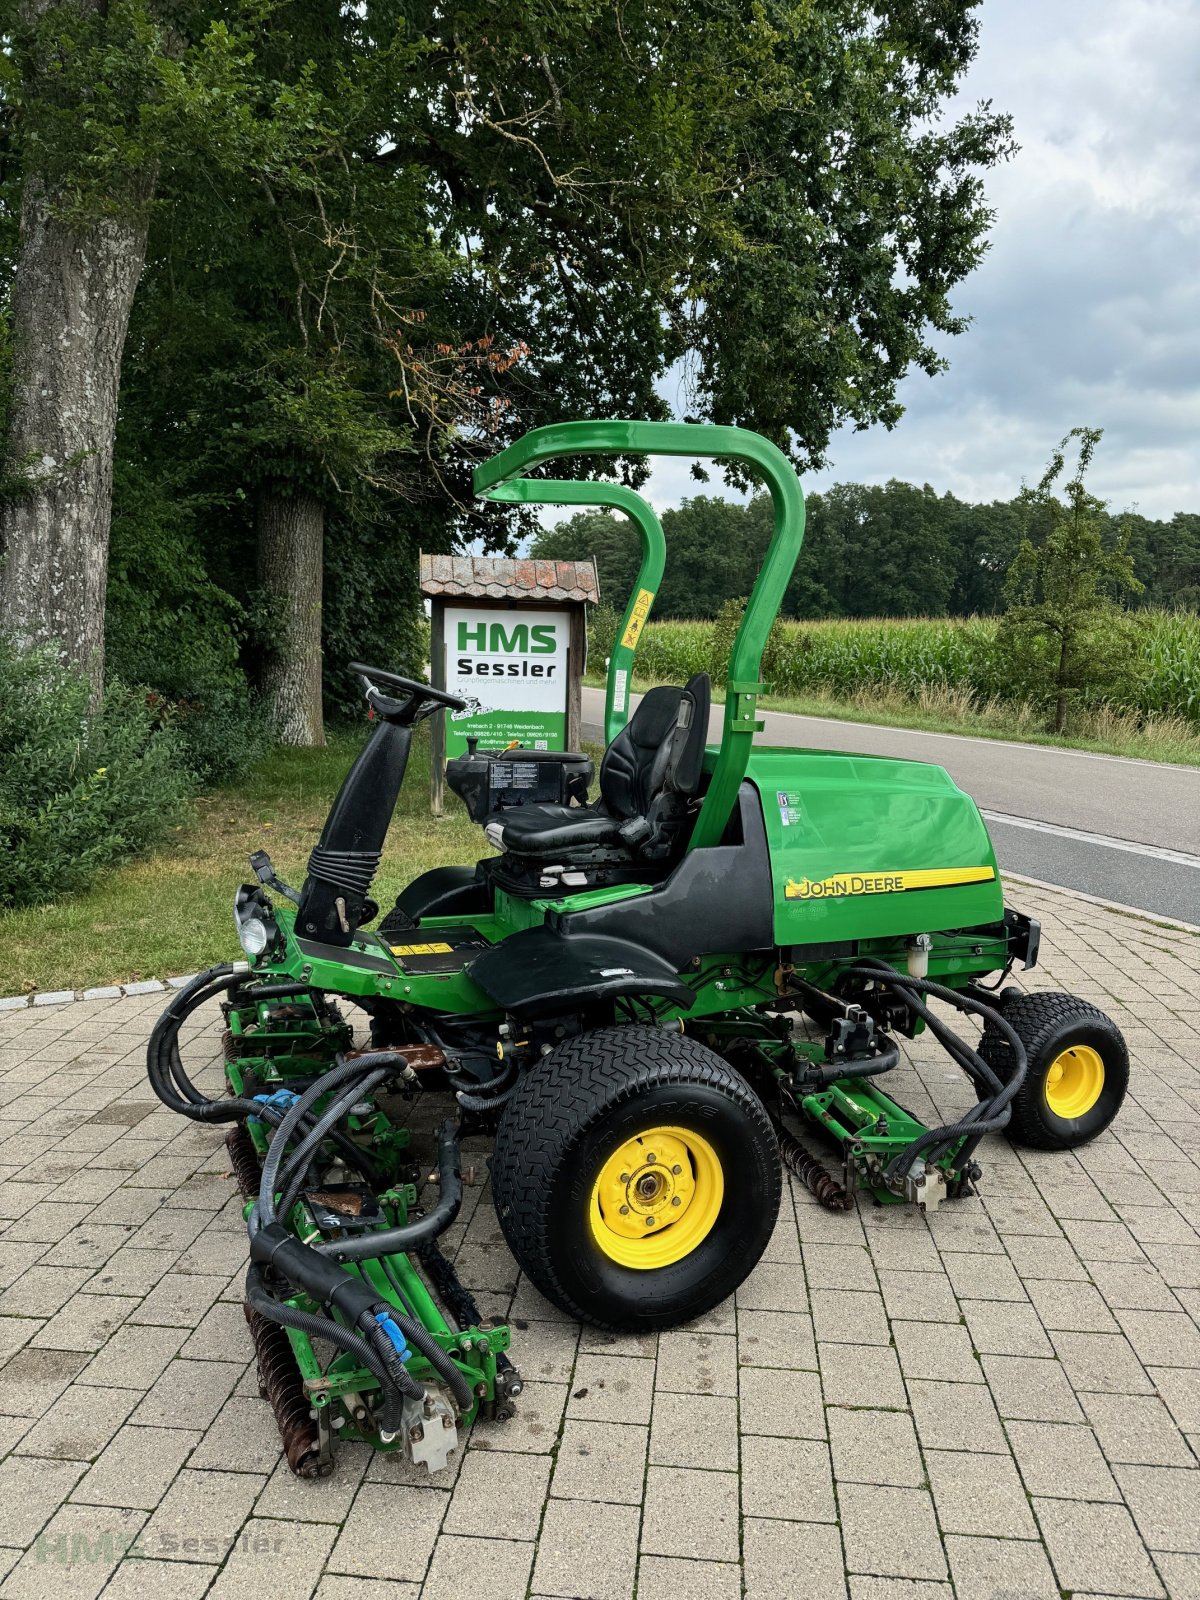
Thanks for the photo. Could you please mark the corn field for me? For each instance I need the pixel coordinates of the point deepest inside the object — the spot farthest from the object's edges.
(913, 657)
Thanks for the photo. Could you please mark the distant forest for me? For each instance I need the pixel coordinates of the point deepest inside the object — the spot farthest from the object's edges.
(869, 551)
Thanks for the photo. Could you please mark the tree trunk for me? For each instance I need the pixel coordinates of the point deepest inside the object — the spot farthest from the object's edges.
(291, 553)
(72, 292)
(1060, 703)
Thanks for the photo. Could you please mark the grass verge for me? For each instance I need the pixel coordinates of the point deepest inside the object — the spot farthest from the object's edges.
(173, 911)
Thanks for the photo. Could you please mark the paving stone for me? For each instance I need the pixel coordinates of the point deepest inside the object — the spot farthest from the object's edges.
(919, 1296)
(835, 1266)
(32, 1380)
(601, 1461)
(200, 1516)
(1104, 1362)
(548, 1351)
(145, 1579)
(336, 1588)
(318, 1499)
(500, 1491)
(1169, 1339)
(464, 1566)
(74, 1555)
(31, 1491)
(773, 1286)
(1096, 1547)
(134, 1357)
(1061, 1460)
(79, 1424)
(1071, 1307)
(1000, 1569)
(1181, 1574)
(851, 1377)
(768, 1339)
(785, 1559)
(368, 1544)
(1006, 1328)
(667, 1578)
(787, 1478)
(54, 997)
(243, 1438)
(870, 1588)
(979, 1494)
(612, 1389)
(1136, 1430)
(843, 1316)
(983, 1277)
(874, 1447)
(534, 1428)
(1036, 1258)
(1165, 1502)
(1176, 1385)
(890, 1532)
(699, 1363)
(85, 1323)
(136, 1468)
(691, 1513)
(1031, 1390)
(282, 1558)
(1135, 1285)
(935, 1350)
(782, 1404)
(695, 1431)
(956, 1416)
(592, 1557)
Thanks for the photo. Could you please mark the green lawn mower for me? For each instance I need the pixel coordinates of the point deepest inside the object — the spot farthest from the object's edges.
(643, 996)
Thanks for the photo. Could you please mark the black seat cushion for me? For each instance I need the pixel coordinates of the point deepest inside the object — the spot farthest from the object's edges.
(540, 830)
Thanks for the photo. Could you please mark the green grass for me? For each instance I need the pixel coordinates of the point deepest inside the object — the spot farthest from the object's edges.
(173, 911)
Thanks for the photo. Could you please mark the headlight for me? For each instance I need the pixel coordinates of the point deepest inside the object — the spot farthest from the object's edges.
(254, 920)
(253, 937)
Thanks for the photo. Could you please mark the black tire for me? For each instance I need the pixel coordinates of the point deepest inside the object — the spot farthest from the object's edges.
(1049, 1025)
(584, 1102)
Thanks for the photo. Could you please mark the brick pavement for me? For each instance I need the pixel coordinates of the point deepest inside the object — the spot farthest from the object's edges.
(1000, 1404)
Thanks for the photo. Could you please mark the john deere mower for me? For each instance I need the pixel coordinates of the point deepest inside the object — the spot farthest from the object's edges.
(644, 995)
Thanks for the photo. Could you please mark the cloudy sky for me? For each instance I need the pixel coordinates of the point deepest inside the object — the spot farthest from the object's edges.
(1087, 306)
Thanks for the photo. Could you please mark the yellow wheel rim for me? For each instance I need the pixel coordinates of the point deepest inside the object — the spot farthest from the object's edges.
(656, 1198)
(1074, 1081)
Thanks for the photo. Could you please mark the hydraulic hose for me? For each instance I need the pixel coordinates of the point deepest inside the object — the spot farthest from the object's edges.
(293, 1173)
(410, 1235)
(316, 1327)
(164, 1066)
(991, 1114)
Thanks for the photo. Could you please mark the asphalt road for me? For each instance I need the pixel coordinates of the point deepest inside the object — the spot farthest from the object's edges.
(1127, 831)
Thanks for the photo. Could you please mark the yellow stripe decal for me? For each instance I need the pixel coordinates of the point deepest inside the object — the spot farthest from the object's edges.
(849, 883)
(421, 949)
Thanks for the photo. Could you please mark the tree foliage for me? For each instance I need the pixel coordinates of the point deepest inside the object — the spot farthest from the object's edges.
(1061, 590)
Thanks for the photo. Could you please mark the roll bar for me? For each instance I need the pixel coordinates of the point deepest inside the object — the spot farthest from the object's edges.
(573, 492)
(743, 685)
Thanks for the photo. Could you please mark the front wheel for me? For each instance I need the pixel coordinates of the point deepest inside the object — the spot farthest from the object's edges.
(636, 1178)
(1078, 1069)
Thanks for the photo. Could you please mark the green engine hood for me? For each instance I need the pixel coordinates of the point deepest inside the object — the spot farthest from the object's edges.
(868, 847)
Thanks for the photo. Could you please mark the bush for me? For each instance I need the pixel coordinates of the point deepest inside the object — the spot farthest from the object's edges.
(77, 793)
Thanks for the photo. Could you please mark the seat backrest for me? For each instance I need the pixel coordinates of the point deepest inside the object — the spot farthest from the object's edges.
(660, 750)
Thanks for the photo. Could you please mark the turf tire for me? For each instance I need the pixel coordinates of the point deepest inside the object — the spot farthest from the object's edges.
(567, 1116)
(1047, 1024)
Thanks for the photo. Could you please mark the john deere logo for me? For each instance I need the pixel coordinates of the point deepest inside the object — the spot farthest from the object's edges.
(849, 883)
(495, 646)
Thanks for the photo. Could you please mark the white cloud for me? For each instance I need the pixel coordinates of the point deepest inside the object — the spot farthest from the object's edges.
(1087, 307)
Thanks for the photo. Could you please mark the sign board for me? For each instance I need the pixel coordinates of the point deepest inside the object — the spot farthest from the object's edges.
(512, 666)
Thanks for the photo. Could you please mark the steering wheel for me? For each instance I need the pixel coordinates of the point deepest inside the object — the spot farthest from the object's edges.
(420, 700)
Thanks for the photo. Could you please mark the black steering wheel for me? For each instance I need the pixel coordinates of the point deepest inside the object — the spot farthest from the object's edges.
(420, 700)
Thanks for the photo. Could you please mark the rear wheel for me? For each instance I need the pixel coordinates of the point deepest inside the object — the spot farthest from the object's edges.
(1078, 1069)
(636, 1177)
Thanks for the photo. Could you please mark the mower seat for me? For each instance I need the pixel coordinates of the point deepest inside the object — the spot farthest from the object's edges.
(649, 775)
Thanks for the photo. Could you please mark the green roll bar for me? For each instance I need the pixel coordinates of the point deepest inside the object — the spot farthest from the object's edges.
(743, 685)
(572, 492)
